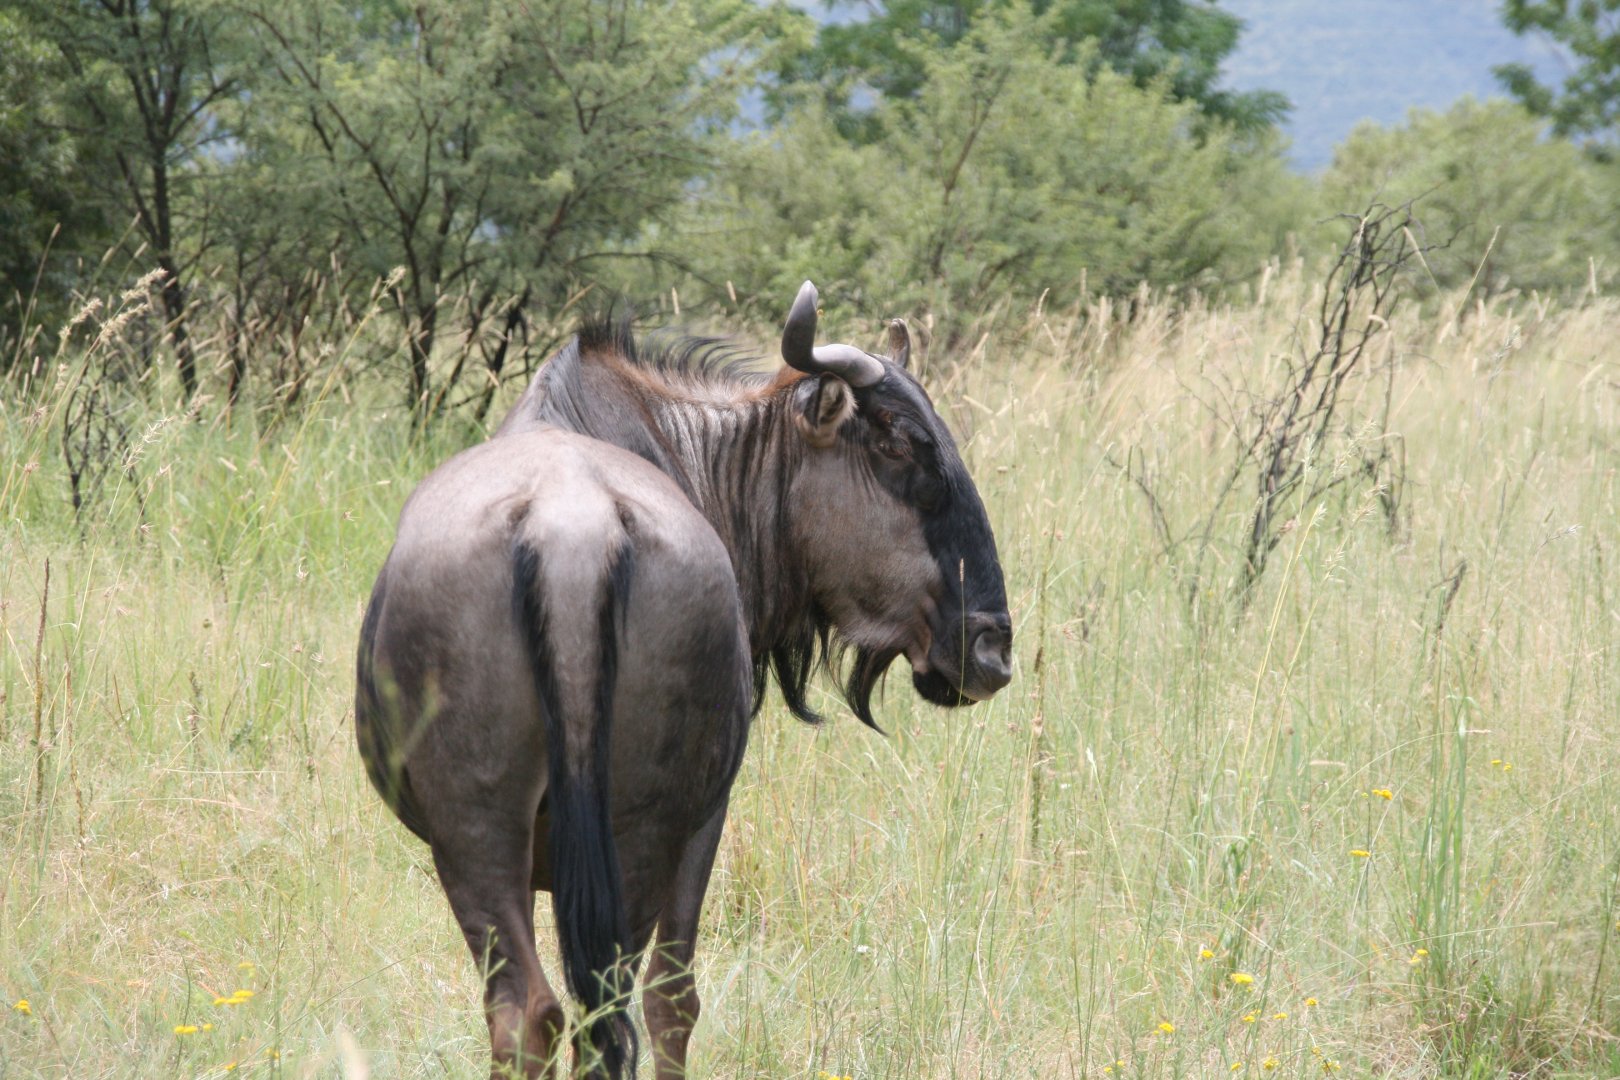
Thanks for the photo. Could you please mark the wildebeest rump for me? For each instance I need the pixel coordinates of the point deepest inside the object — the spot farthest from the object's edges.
(578, 618)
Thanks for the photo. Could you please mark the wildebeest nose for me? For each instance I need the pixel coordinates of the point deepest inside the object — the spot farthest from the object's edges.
(992, 653)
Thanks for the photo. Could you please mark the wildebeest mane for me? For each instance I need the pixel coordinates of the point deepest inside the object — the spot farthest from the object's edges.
(688, 357)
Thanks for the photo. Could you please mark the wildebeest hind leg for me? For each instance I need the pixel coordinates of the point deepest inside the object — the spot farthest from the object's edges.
(485, 872)
(669, 993)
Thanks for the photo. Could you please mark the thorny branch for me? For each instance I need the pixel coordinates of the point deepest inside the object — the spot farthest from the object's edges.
(1285, 433)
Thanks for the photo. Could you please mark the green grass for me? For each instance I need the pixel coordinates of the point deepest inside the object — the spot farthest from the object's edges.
(1022, 889)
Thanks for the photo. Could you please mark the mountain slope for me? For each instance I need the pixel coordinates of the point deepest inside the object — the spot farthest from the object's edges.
(1351, 60)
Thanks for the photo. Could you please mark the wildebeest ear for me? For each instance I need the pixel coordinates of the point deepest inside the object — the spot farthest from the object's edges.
(824, 404)
(900, 343)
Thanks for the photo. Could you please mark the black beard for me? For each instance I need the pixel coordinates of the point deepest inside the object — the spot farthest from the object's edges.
(864, 675)
(936, 689)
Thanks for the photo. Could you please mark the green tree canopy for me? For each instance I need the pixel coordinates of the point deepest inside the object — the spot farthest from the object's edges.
(492, 158)
(49, 212)
(1175, 45)
(1520, 209)
(1588, 101)
(1016, 167)
(490, 147)
(139, 80)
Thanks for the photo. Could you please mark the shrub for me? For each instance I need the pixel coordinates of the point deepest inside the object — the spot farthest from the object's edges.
(1009, 172)
(1524, 210)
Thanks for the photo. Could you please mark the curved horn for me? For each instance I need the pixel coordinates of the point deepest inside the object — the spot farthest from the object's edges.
(799, 347)
(858, 368)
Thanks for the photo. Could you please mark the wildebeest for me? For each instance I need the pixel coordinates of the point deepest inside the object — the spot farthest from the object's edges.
(564, 648)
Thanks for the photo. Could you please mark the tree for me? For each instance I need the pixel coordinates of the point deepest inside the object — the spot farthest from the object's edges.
(493, 148)
(1017, 166)
(1588, 102)
(140, 78)
(278, 273)
(1502, 200)
(1178, 45)
(48, 213)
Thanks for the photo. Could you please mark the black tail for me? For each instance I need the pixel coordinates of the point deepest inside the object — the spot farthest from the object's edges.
(587, 889)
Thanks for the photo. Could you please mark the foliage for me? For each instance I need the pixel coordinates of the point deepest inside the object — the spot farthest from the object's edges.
(1009, 172)
(501, 154)
(1589, 99)
(1174, 45)
(48, 211)
(495, 161)
(1522, 210)
(489, 147)
(140, 77)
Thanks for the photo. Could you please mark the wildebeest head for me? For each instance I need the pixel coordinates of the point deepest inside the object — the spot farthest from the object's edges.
(889, 524)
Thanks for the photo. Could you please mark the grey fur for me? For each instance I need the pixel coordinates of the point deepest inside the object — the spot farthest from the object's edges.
(762, 513)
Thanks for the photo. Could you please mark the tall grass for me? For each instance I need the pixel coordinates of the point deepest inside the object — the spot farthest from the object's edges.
(1066, 881)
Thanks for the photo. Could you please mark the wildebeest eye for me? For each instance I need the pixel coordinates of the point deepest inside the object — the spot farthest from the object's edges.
(893, 446)
(897, 438)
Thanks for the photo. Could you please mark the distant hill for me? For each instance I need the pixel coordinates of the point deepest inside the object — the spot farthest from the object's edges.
(1344, 61)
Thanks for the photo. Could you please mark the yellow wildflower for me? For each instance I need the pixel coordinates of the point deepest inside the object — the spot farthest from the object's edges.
(1383, 793)
(223, 1001)
(1249, 1018)
(1270, 1063)
(208, 1027)
(1316, 1051)
(242, 994)
(185, 1029)
(1331, 1066)
(1360, 853)
(1507, 766)
(246, 965)
(1237, 1066)
(1417, 957)
(1310, 1003)
(1167, 1027)
(229, 1066)
(23, 1007)
(1240, 978)
(1108, 1070)
(1279, 1016)
(1206, 954)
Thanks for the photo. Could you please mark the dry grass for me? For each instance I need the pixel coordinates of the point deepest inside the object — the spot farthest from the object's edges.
(1027, 888)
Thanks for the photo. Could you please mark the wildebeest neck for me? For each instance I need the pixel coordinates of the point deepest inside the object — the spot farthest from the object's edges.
(724, 435)
(738, 460)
